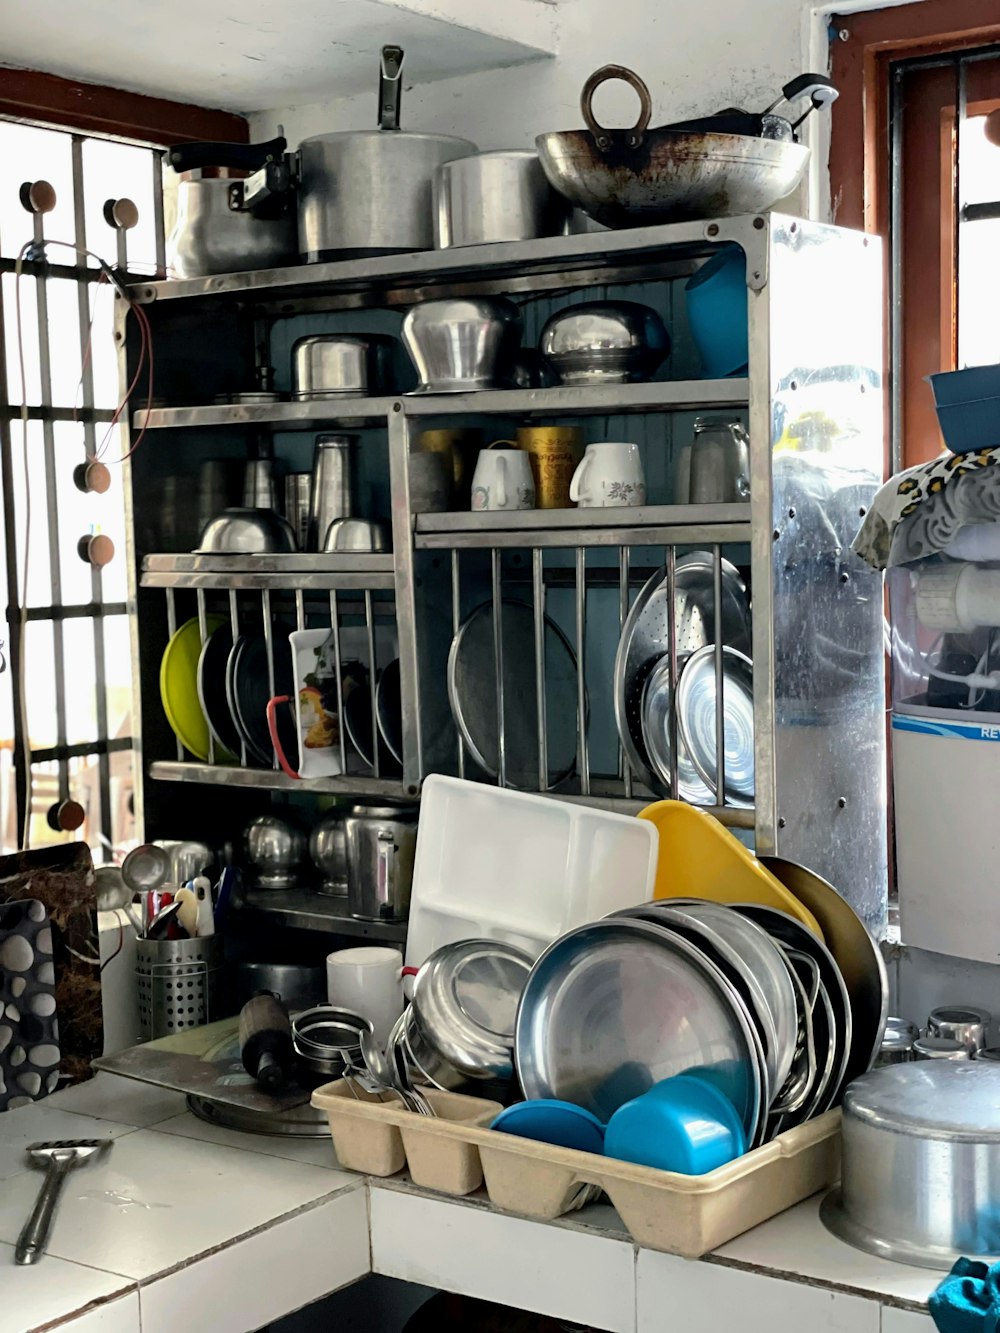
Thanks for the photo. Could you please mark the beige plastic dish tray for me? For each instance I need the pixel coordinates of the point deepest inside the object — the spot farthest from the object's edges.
(375, 1134)
(686, 1215)
(678, 1214)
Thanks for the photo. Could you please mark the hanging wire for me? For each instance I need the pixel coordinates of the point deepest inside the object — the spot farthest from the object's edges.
(36, 249)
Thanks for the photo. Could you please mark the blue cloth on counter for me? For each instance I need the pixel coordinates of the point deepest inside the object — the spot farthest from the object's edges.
(968, 1300)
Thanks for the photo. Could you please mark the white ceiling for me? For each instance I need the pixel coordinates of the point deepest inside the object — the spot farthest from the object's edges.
(249, 55)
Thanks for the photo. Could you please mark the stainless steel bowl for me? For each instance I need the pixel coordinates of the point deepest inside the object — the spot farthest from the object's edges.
(460, 1025)
(921, 1163)
(607, 342)
(356, 534)
(274, 851)
(247, 532)
(498, 196)
(463, 344)
(297, 985)
(340, 365)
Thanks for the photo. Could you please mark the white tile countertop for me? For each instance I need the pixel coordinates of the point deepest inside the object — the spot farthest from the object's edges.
(184, 1225)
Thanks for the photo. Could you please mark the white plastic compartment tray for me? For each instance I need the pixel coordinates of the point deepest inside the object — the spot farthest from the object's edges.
(506, 865)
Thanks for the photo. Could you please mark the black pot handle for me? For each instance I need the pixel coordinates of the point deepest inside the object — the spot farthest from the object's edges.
(605, 138)
(389, 84)
(238, 156)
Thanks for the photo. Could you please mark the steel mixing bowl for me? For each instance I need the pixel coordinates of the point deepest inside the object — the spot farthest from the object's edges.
(463, 344)
(609, 342)
(247, 532)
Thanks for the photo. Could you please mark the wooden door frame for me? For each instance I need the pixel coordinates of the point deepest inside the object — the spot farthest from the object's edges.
(859, 129)
(46, 99)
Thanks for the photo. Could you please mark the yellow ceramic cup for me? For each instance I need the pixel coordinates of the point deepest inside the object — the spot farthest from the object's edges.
(554, 452)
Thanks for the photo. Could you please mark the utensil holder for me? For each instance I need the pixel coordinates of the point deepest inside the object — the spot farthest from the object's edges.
(177, 984)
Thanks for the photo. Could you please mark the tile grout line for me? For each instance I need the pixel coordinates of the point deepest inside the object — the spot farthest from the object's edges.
(309, 1207)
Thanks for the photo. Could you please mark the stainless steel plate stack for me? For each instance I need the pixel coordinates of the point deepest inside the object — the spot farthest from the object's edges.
(643, 670)
(744, 994)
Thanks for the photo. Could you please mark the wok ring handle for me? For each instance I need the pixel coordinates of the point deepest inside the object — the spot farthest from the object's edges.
(603, 137)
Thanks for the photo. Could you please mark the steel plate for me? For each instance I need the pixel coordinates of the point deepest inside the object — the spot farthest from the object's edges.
(734, 967)
(656, 712)
(472, 692)
(857, 955)
(613, 1007)
(784, 928)
(763, 958)
(696, 720)
(645, 639)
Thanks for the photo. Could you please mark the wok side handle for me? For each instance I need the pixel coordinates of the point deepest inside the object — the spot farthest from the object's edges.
(605, 138)
(389, 85)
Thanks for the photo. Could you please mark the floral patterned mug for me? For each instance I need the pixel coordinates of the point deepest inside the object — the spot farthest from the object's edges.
(609, 476)
(503, 479)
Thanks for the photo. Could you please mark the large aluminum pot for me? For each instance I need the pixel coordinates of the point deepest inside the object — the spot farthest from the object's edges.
(368, 192)
(639, 176)
(921, 1163)
(501, 196)
(381, 844)
(212, 236)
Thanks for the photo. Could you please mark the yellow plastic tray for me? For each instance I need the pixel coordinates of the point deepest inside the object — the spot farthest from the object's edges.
(698, 858)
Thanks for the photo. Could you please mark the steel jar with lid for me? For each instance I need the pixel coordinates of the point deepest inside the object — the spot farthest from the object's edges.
(921, 1163)
(381, 843)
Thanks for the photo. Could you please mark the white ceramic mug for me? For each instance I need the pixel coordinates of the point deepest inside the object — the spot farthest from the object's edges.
(503, 480)
(367, 981)
(609, 476)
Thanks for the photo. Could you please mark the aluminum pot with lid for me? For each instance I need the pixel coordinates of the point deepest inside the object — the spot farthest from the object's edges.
(921, 1163)
(365, 192)
(381, 843)
(498, 196)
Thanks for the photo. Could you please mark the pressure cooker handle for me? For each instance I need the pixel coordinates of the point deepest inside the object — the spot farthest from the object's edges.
(238, 156)
(389, 85)
(605, 138)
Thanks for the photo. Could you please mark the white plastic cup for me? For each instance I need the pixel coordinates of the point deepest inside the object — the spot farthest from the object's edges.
(367, 981)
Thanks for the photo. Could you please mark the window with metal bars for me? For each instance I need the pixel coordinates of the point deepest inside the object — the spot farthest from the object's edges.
(65, 687)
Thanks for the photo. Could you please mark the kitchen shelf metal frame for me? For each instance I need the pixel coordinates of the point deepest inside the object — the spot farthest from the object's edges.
(814, 338)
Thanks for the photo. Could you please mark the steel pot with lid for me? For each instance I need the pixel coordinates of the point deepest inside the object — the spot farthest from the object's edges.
(360, 192)
(381, 842)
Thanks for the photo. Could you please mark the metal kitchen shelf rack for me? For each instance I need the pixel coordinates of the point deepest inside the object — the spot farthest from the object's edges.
(812, 401)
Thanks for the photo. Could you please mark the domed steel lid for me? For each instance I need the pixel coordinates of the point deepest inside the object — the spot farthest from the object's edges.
(936, 1099)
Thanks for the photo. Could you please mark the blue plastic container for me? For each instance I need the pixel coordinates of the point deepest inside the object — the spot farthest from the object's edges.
(682, 1124)
(717, 313)
(968, 407)
(548, 1120)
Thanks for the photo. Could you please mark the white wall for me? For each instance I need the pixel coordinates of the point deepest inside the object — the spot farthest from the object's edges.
(695, 55)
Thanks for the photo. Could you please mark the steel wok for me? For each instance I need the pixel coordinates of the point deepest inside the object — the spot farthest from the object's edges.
(639, 176)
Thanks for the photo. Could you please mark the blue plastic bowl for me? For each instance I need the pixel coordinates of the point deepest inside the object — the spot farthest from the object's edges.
(548, 1120)
(682, 1124)
(967, 403)
(717, 313)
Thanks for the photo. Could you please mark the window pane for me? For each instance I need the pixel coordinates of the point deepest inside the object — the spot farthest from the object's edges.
(31, 154)
(65, 341)
(81, 691)
(23, 335)
(116, 171)
(39, 574)
(118, 675)
(40, 683)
